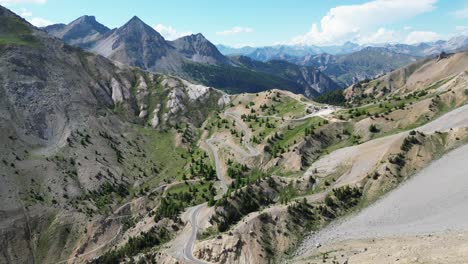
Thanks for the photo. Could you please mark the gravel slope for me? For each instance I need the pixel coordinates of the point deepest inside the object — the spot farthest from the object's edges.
(434, 200)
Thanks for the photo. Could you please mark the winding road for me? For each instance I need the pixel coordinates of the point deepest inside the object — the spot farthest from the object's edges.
(194, 212)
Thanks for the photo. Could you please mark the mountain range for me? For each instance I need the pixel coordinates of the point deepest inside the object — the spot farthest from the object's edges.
(191, 57)
(195, 58)
(103, 162)
(267, 53)
(350, 63)
(346, 69)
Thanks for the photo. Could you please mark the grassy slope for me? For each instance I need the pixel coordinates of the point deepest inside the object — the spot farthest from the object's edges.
(14, 32)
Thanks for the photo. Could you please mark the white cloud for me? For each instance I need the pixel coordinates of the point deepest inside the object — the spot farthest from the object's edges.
(13, 2)
(382, 35)
(235, 30)
(461, 14)
(361, 22)
(25, 13)
(408, 28)
(169, 32)
(463, 30)
(422, 36)
(36, 21)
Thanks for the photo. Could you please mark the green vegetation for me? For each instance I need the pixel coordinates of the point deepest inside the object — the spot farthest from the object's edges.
(242, 175)
(105, 196)
(200, 167)
(288, 106)
(145, 241)
(14, 31)
(161, 148)
(287, 193)
(182, 196)
(279, 143)
(373, 129)
(335, 97)
(237, 79)
(231, 208)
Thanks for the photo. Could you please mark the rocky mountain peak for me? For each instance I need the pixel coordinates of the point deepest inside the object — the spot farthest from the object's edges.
(87, 24)
(135, 22)
(199, 49)
(137, 28)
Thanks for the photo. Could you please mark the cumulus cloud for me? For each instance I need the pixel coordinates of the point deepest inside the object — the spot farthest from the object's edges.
(39, 21)
(169, 32)
(13, 2)
(422, 36)
(361, 22)
(36, 21)
(25, 13)
(463, 30)
(461, 14)
(382, 35)
(234, 31)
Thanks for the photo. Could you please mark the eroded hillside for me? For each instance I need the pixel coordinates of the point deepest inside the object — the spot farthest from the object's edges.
(105, 163)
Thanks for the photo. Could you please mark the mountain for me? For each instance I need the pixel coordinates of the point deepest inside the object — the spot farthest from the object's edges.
(226, 50)
(190, 57)
(82, 32)
(104, 163)
(78, 132)
(314, 81)
(347, 69)
(458, 43)
(198, 49)
(281, 52)
(426, 74)
(138, 44)
(266, 53)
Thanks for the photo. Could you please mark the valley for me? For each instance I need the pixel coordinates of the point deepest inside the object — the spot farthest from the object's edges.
(119, 146)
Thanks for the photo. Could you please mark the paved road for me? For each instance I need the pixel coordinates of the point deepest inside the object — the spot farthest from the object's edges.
(194, 212)
(188, 249)
(322, 113)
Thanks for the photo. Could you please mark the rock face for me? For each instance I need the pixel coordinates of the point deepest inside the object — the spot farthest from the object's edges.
(191, 57)
(198, 49)
(82, 32)
(312, 81)
(138, 44)
(347, 69)
(68, 131)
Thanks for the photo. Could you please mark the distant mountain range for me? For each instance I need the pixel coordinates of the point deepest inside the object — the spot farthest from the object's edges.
(346, 69)
(138, 44)
(191, 57)
(349, 63)
(280, 51)
(309, 70)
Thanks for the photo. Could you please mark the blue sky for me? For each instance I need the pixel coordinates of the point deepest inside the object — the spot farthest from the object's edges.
(262, 22)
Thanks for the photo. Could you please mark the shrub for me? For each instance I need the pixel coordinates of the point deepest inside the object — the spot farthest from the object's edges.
(373, 129)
